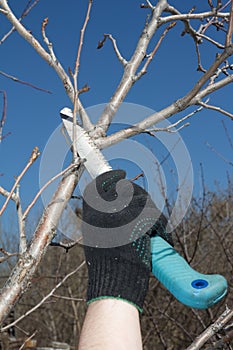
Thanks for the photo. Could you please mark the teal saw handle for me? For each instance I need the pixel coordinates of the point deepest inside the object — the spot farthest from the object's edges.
(187, 285)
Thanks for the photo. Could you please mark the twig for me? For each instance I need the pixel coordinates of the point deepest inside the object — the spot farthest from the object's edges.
(7, 255)
(21, 223)
(220, 344)
(3, 118)
(219, 154)
(27, 9)
(35, 154)
(85, 120)
(27, 35)
(67, 246)
(211, 330)
(228, 41)
(24, 82)
(149, 5)
(218, 14)
(44, 299)
(171, 126)
(16, 198)
(130, 69)
(199, 65)
(177, 16)
(67, 298)
(46, 40)
(215, 108)
(122, 60)
(227, 134)
(212, 41)
(27, 340)
(103, 142)
(71, 166)
(152, 54)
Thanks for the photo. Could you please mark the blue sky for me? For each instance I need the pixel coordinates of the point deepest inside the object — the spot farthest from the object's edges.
(32, 115)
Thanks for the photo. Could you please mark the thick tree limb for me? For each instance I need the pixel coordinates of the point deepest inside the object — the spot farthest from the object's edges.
(165, 113)
(23, 271)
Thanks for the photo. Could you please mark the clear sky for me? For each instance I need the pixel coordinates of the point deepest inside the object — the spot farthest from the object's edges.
(32, 115)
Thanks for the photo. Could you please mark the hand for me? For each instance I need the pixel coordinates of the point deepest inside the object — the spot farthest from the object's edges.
(118, 219)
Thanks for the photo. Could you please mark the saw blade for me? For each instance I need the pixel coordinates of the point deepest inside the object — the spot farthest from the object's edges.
(95, 162)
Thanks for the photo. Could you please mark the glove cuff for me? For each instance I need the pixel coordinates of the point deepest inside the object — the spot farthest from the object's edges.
(114, 277)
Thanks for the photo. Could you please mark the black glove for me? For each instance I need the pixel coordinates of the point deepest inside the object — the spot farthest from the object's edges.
(118, 219)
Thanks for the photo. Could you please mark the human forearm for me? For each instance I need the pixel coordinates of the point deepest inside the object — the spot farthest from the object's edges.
(111, 324)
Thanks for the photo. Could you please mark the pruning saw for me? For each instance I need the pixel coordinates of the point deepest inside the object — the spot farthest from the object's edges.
(187, 285)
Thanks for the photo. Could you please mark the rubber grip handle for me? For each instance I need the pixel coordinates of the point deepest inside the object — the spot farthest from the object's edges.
(187, 285)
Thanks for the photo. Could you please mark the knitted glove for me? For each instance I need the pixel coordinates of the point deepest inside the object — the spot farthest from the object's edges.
(118, 219)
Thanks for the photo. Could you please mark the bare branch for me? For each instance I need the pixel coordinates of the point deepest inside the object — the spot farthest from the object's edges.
(24, 82)
(187, 16)
(66, 245)
(44, 54)
(122, 60)
(84, 118)
(149, 5)
(227, 161)
(21, 223)
(3, 118)
(130, 69)
(203, 28)
(25, 268)
(211, 330)
(230, 28)
(27, 340)
(152, 54)
(7, 255)
(160, 115)
(82, 32)
(63, 172)
(172, 126)
(199, 66)
(35, 154)
(47, 41)
(212, 41)
(26, 11)
(217, 109)
(44, 299)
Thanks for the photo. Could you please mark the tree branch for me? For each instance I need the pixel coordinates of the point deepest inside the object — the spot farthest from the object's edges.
(26, 11)
(63, 172)
(217, 109)
(211, 330)
(165, 113)
(130, 69)
(44, 299)
(122, 60)
(44, 54)
(152, 54)
(35, 154)
(230, 28)
(24, 82)
(85, 120)
(187, 16)
(3, 118)
(23, 271)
